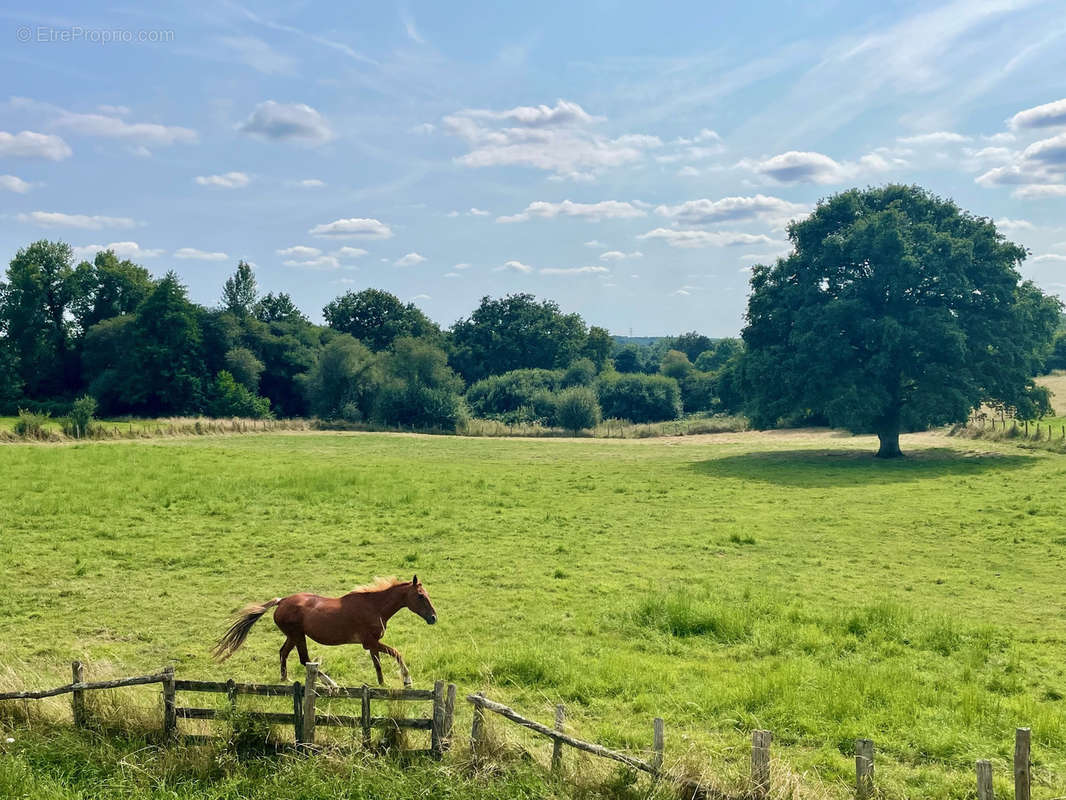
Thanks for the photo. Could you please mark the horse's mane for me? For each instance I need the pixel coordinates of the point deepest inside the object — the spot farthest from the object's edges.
(377, 585)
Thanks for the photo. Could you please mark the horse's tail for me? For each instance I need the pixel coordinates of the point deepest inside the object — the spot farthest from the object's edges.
(238, 632)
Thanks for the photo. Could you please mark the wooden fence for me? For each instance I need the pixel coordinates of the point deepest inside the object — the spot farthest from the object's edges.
(305, 716)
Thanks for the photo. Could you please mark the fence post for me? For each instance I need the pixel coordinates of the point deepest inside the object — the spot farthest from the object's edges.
(658, 743)
(449, 716)
(557, 746)
(77, 697)
(364, 716)
(864, 768)
(310, 693)
(436, 733)
(477, 728)
(760, 763)
(170, 704)
(984, 780)
(297, 711)
(1021, 764)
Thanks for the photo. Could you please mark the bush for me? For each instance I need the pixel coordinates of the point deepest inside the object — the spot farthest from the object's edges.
(577, 408)
(698, 392)
(515, 396)
(581, 372)
(231, 399)
(640, 398)
(420, 406)
(345, 375)
(245, 368)
(80, 422)
(30, 425)
(675, 364)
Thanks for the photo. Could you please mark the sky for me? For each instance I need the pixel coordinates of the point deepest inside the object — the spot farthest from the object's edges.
(630, 161)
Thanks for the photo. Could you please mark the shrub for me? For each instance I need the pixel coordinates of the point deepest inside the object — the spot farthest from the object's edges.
(245, 368)
(698, 391)
(30, 425)
(577, 409)
(231, 399)
(640, 398)
(345, 374)
(515, 396)
(80, 422)
(581, 372)
(420, 406)
(675, 364)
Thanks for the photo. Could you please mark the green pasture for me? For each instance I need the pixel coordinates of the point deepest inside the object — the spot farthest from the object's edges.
(786, 581)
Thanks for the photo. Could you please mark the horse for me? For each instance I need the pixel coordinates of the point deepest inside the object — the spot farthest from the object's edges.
(359, 616)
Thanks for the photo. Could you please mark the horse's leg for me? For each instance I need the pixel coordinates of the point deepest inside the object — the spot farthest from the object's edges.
(377, 665)
(301, 648)
(284, 652)
(392, 651)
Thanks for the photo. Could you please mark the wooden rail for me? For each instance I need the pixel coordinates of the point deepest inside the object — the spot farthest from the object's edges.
(304, 717)
(477, 732)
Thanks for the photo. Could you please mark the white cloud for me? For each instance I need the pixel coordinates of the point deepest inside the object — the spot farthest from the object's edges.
(259, 55)
(514, 266)
(317, 262)
(409, 27)
(562, 113)
(594, 243)
(287, 122)
(574, 271)
(130, 250)
(1043, 116)
(409, 260)
(310, 183)
(690, 238)
(936, 137)
(355, 227)
(593, 212)
(299, 251)
(13, 183)
(55, 219)
(349, 252)
(682, 293)
(462, 265)
(120, 111)
(556, 139)
(478, 212)
(1049, 257)
(1042, 162)
(452, 275)
(421, 297)
(1014, 224)
(228, 180)
(618, 255)
(1038, 191)
(28, 144)
(146, 134)
(732, 209)
(194, 254)
(424, 128)
(804, 166)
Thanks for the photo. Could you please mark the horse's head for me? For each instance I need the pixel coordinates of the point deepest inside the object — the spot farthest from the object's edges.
(418, 601)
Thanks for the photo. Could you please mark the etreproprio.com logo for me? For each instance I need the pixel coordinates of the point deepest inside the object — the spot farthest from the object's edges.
(52, 34)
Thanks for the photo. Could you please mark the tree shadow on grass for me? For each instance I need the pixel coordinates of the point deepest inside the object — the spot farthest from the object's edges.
(840, 468)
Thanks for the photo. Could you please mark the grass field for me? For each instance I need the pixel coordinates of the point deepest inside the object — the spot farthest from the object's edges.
(779, 580)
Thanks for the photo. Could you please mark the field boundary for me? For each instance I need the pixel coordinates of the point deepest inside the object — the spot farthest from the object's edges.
(305, 718)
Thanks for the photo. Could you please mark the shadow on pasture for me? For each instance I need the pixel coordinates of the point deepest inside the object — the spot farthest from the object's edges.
(851, 467)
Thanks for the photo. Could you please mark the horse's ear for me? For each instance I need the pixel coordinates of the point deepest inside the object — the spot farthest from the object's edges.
(414, 581)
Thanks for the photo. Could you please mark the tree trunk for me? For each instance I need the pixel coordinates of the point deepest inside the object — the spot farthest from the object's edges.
(889, 444)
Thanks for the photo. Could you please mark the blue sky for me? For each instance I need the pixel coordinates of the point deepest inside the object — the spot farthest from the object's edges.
(628, 160)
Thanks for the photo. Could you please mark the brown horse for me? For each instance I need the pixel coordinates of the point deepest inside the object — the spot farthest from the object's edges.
(359, 616)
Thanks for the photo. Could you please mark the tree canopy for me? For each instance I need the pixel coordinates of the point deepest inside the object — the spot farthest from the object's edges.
(895, 311)
(377, 318)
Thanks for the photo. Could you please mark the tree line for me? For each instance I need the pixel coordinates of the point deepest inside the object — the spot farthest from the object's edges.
(895, 310)
(138, 346)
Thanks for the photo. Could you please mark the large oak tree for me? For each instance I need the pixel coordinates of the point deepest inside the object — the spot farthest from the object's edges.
(895, 311)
